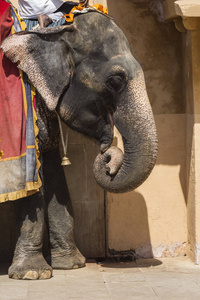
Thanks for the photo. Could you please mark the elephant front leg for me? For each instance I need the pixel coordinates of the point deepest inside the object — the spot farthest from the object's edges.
(28, 261)
(64, 253)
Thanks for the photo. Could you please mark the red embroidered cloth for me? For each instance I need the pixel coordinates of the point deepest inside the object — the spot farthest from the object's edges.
(12, 114)
(19, 163)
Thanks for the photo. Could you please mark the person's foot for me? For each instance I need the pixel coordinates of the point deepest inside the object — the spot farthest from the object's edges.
(44, 21)
(84, 3)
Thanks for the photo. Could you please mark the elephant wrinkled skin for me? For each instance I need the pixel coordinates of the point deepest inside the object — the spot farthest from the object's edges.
(87, 74)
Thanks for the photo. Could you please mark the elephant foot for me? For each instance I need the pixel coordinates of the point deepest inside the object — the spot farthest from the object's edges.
(30, 268)
(66, 261)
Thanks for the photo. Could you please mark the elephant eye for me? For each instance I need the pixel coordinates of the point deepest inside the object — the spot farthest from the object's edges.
(116, 83)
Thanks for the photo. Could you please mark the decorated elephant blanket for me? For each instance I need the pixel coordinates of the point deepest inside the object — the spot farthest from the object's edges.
(19, 164)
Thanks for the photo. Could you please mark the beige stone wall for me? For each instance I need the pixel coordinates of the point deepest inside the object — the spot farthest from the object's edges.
(15, 3)
(103, 2)
(153, 218)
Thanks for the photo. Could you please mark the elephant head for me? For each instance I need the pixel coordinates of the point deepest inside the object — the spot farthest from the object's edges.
(86, 72)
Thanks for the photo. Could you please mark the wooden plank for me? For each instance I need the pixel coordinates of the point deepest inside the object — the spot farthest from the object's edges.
(7, 231)
(87, 197)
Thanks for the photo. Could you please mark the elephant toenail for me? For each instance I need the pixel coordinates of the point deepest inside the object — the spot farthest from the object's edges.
(14, 276)
(31, 275)
(75, 267)
(46, 275)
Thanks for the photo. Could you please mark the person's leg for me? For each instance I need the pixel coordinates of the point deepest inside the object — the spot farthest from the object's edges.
(65, 8)
(44, 20)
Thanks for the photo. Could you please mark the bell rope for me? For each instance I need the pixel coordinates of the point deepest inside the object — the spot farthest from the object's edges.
(65, 159)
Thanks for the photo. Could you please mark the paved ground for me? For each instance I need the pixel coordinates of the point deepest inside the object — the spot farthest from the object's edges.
(169, 278)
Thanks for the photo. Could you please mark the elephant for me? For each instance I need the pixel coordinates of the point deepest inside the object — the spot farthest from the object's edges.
(85, 73)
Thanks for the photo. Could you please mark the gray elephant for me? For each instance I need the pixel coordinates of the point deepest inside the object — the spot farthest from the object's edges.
(86, 73)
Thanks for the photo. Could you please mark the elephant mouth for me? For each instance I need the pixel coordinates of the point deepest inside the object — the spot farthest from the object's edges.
(107, 136)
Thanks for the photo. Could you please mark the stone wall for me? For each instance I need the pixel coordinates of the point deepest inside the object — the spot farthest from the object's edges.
(152, 220)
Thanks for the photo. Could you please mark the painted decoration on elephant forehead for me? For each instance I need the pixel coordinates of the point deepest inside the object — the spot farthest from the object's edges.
(19, 164)
(83, 10)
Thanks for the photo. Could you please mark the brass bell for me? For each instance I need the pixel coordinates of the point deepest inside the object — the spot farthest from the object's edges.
(65, 161)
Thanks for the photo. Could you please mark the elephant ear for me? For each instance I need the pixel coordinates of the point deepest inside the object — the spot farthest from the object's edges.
(45, 57)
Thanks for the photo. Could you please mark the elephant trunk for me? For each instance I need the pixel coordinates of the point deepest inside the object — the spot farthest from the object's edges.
(120, 173)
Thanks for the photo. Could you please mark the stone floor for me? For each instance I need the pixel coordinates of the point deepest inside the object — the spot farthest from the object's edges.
(169, 278)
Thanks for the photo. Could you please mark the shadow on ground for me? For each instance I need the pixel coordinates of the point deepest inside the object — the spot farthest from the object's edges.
(139, 263)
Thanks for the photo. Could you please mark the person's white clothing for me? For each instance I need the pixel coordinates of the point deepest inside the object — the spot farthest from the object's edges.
(31, 9)
(55, 16)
